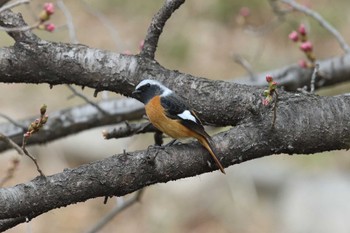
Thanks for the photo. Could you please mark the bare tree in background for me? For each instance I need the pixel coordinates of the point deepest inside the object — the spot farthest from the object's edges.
(303, 123)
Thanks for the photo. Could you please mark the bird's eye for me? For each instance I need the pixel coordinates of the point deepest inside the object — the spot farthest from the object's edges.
(148, 85)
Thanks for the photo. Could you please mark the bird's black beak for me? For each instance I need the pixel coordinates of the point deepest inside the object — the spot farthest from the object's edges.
(136, 94)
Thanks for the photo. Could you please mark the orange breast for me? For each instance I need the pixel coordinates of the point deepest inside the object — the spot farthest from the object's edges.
(156, 115)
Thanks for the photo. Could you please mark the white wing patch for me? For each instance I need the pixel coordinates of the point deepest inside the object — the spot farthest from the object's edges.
(187, 115)
(166, 91)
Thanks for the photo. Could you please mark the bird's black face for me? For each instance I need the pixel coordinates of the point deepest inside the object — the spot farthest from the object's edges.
(139, 93)
(146, 92)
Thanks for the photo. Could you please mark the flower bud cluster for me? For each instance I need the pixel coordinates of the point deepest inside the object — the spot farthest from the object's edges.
(44, 16)
(305, 46)
(268, 94)
(38, 123)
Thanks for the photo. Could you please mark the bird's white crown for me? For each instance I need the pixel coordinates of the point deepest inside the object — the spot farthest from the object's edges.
(166, 91)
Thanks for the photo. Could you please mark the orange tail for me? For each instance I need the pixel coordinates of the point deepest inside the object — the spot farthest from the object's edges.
(206, 142)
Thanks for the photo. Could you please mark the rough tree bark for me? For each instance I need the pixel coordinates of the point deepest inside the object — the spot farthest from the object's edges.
(305, 123)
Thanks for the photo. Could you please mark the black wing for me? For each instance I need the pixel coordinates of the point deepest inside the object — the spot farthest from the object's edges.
(174, 106)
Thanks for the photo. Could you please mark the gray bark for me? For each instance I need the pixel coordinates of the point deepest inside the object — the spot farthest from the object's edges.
(305, 123)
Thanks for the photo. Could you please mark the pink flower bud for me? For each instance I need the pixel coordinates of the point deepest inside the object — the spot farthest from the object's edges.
(302, 63)
(244, 11)
(294, 36)
(269, 78)
(49, 8)
(50, 27)
(306, 46)
(265, 102)
(302, 30)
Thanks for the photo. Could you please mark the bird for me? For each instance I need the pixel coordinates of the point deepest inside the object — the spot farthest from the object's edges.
(172, 115)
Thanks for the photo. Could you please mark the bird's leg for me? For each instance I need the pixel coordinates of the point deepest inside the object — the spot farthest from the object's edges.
(170, 143)
(158, 138)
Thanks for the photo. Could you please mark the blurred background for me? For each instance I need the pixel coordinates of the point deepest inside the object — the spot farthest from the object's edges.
(278, 193)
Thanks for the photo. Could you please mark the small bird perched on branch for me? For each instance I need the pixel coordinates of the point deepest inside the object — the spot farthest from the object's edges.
(172, 115)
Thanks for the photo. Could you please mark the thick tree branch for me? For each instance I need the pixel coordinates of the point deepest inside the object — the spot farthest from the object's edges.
(157, 25)
(58, 63)
(331, 71)
(73, 120)
(12, 222)
(305, 124)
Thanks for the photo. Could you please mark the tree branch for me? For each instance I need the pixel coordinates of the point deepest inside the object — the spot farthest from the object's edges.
(58, 63)
(21, 31)
(126, 129)
(3, 2)
(69, 19)
(331, 71)
(118, 209)
(11, 222)
(12, 5)
(73, 120)
(304, 124)
(76, 93)
(157, 25)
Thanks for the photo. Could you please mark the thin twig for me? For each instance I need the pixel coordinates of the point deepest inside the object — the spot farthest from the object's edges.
(17, 28)
(11, 143)
(32, 12)
(14, 4)
(272, 24)
(313, 78)
(24, 128)
(321, 21)
(119, 208)
(157, 25)
(10, 170)
(127, 129)
(75, 92)
(69, 19)
(263, 29)
(246, 65)
(107, 23)
(20, 29)
(31, 157)
(277, 10)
